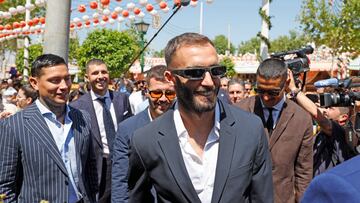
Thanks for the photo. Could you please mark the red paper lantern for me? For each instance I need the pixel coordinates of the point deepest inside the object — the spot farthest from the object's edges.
(23, 23)
(194, 0)
(149, 7)
(35, 20)
(105, 2)
(1, 27)
(93, 5)
(38, 31)
(177, 2)
(30, 23)
(114, 15)
(72, 25)
(137, 11)
(8, 27)
(118, 0)
(162, 5)
(105, 18)
(2, 1)
(79, 24)
(87, 22)
(125, 13)
(42, 20)
(82, 8)
(96, 20)
(16, 25)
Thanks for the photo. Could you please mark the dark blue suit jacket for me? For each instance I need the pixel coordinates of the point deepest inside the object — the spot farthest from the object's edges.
(243, 170)
(122, 111)
(339, 184)
(31, 167)
(120, 164)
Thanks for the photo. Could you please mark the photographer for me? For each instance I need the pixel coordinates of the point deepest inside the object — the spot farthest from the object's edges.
(331, 144)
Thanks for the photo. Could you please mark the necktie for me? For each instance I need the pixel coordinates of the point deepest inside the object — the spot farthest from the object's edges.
(108, 123)
(270, 121)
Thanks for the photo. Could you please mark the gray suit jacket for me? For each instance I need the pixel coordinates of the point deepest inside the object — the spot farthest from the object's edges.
(122, 111)
(243, 171)
(31, 165)
(120, 160)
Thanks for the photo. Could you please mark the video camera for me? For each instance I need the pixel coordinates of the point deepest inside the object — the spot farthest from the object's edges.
(298, 64)
(343, 95)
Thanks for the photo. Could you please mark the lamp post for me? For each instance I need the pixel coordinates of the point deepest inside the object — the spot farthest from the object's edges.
(142, 28)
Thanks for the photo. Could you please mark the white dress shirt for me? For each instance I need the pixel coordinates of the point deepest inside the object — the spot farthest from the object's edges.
(99, 117)
(276, 110)
(201, 170)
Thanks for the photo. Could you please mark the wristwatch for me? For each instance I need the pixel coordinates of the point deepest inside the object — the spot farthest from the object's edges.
(294, 93)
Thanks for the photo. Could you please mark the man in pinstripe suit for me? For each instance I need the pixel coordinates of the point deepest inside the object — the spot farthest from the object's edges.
(46, 150)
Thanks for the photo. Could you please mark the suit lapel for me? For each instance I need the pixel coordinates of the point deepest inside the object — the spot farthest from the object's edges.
(94, 124)
(225, 154)
(38, 128)
(284, 118)
(78, 139)
(169, 144)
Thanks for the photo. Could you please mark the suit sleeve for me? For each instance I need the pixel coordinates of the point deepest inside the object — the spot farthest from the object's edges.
(9, 162)
(120, 165)
(139, 184)
(304, 162)
(262, 184)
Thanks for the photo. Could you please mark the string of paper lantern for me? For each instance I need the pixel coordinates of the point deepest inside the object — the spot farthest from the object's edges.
(20, 9)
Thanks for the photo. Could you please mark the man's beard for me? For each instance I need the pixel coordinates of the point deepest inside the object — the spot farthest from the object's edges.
(186, 97)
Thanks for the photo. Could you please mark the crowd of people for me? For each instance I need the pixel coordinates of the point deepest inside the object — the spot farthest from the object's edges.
(184, 133)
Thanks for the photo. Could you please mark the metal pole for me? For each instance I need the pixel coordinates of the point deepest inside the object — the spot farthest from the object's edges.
(201, 18)
(264, 31)
(56, 39)
(142, 58)
(26, 45)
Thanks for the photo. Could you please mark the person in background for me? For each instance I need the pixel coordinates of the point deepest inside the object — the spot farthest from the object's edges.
(289, 130)
(248, 89)
(74, 95)
(161, 95)
(137, 97)
(8, 103)
(107, 108)
(236, 90)
(46, 149)
(26, 96)
(201, 150)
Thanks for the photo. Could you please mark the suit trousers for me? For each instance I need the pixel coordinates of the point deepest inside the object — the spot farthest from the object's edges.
(105, 183)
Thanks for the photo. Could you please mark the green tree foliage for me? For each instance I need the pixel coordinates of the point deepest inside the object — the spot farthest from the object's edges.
(117, 49)
(337, 28)
(35, 50)
(250, 46)
(221, 44)
(159, 54)
(230, 71)
(289, 42)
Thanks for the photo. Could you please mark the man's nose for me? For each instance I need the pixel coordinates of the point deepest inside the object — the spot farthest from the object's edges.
(207, 81)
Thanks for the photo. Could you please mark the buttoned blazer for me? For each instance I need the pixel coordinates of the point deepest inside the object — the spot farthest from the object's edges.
(31, 165)
(339, 184)
(243, 169)
(291, 147)
(122, 111)
(120, 164)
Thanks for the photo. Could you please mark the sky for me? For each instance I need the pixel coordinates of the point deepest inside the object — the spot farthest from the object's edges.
(241, 15)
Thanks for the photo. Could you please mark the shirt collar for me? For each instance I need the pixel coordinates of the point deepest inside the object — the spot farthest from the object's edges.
(278, 106)
(46, 112)
(95, 96)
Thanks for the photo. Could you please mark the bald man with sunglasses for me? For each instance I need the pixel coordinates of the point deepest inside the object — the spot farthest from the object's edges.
(160, 96)
(289, 130)
(201, 150)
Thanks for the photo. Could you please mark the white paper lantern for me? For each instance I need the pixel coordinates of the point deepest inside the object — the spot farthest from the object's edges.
(166, 9)
(143, 2)
(120, 19)
(95, 15)
(131, 17)
(76, 20)
(193, 3)
(106, 12)
(153, 12)
(7, 15)
(118, 9)
(30, 7)
(12, 10)
(20, 9)
(111, 21)
(85, 17)
(130, 6)
(141, 15)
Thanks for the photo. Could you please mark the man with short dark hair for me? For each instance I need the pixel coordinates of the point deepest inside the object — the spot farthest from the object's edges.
(201, 150)
(236, 90)
(46, 149)
(289, 130)
(107, 108)
(160, 94)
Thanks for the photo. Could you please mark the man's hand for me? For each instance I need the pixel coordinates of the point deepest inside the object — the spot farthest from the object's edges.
(5, 114)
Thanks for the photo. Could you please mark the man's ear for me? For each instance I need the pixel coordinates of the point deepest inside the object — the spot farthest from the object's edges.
(34, 82)
(86, 77)
(169, 77)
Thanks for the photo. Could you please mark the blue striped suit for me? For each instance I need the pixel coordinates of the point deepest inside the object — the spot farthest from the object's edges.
(31, 165)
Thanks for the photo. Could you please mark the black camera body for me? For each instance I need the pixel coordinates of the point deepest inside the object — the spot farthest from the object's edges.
(298, 64)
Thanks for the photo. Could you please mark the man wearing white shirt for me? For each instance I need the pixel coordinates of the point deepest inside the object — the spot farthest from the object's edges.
(201, 150)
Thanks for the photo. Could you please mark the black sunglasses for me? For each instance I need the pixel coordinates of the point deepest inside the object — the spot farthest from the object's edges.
(157, 94)
(198, 73)
(272, 92)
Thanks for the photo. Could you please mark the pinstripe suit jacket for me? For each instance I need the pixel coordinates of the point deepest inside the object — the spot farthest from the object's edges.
(31, 165)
